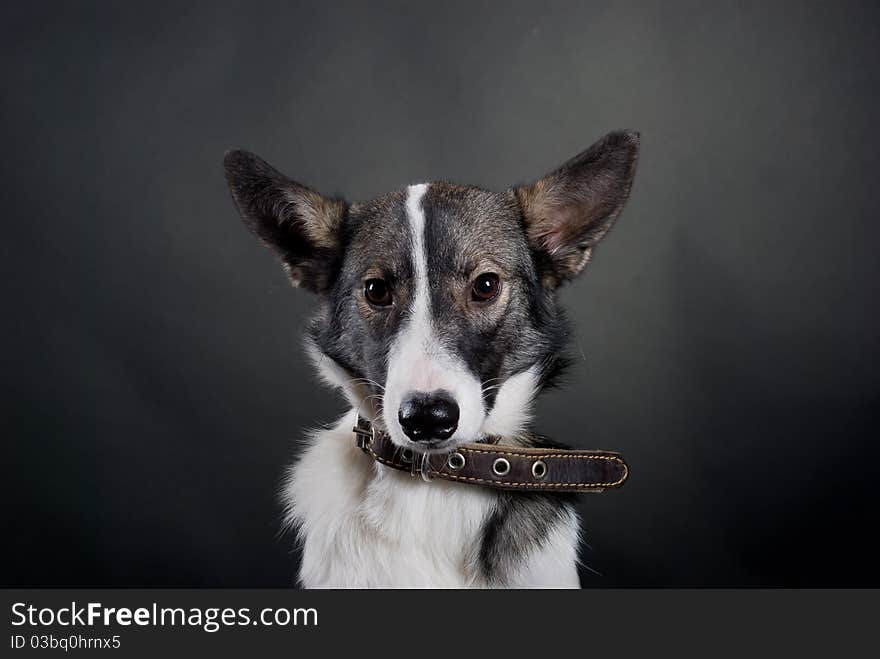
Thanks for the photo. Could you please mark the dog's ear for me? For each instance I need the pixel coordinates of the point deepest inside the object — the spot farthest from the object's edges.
(301, 226)
(567, 212)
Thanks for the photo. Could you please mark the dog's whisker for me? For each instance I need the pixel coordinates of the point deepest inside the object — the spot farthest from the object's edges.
(355, 381)
(485, 382)
(378, 415)
(426, 467)
(377, 406)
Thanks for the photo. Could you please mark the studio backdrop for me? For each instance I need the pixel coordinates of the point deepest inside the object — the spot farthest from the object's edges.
(725, 333)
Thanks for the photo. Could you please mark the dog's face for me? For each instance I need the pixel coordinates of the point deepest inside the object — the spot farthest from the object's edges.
(439, 318)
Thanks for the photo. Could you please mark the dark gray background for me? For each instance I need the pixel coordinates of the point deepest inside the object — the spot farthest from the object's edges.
(726, 332)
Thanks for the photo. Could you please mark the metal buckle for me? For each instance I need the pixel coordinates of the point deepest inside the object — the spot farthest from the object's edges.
(364, 434)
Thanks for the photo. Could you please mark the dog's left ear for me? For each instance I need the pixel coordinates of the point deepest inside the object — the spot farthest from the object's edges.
(569, 211)
(302, 227)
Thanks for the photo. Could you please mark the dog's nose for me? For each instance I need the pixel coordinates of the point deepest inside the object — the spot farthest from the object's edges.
(428, 417)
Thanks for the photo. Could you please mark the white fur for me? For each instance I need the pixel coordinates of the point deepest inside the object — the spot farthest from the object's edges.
(363, 525)
(555, 564)
(417, 362)
(513, 405)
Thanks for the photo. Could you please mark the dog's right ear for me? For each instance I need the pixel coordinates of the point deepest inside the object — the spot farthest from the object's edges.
(301, 226)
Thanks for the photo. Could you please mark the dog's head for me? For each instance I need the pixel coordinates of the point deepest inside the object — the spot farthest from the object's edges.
(439, 317)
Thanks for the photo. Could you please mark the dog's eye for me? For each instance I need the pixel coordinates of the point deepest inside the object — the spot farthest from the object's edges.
(486, 287)
(377, 292)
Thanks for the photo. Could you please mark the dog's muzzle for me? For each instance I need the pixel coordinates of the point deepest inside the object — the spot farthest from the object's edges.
(501, 467)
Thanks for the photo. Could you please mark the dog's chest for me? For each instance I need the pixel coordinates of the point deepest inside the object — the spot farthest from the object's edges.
(364, 526)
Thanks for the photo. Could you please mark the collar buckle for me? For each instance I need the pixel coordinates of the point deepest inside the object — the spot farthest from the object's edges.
(364, 433)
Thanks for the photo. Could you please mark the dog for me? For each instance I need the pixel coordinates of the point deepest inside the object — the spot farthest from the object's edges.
(439, 322)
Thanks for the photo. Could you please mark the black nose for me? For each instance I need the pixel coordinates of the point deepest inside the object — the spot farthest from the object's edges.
(427, 417)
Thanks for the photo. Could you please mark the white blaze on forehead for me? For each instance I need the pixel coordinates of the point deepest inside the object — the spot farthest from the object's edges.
(417, 362)
(416, 216)
(420, 312)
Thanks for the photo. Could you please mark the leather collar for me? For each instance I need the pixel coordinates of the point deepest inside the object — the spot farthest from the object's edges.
(501, 467)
